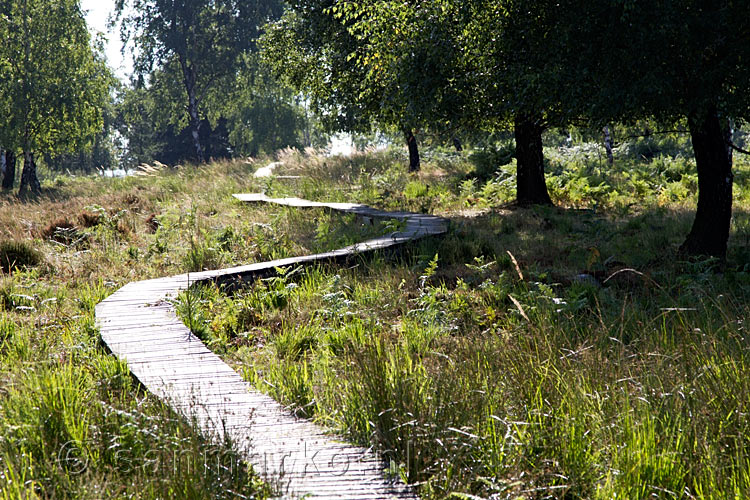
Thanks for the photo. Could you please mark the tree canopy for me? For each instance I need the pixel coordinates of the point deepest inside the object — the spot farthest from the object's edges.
(670, 62)
(442, 65)
(485, 63)
(341, 55)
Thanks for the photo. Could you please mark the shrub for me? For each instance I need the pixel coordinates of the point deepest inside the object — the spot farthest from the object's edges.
(18, 255)
(487, 161)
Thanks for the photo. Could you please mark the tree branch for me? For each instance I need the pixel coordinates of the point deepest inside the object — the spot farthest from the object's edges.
(737, 148)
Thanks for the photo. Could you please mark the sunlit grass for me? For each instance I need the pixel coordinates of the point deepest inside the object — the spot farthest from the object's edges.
(528, 353)
(612, 369)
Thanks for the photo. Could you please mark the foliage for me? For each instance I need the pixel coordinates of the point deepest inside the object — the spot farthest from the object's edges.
(200, 41)
(105, 144)
(139, 122)
(482, 363)
(415, 54)
(74, 424)
(600, 393)
(487, 160)
(155, 132)
(331, 52)
(252, 115)
(309, 49)
(688, 75)
(264, 115)
(54, 81)
(18, 255)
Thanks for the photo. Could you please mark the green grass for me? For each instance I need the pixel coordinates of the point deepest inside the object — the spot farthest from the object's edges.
(467, 378)
(529, 353)
(73, 422)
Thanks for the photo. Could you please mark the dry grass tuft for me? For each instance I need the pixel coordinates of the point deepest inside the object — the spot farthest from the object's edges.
(61, 231)
(152, 223)
(88, 219)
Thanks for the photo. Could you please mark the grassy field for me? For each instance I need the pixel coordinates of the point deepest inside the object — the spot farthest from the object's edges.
(73, 423)
(564, 352)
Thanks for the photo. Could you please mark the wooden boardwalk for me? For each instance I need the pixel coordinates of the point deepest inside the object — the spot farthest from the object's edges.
(139, 325)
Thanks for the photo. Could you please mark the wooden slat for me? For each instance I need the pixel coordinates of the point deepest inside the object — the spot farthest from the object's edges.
(139, 325)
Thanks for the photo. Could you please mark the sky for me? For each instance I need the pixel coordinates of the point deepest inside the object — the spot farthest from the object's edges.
(97, 12)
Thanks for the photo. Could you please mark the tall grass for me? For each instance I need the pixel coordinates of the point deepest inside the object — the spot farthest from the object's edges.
(467, 378)
(594, 399)
(529, 353)
(73, 422)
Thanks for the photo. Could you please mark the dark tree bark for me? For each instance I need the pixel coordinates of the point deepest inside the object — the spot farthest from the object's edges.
(9, 176)
(710, 231)
(411, 141)
(608, 146)
(29, 179)
(189, 78)
(531, 188)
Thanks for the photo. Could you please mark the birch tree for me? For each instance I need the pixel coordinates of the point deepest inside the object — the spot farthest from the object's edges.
(204, 38)
(56, 82)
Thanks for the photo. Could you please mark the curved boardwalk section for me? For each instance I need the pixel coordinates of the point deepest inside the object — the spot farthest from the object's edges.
(139, 325)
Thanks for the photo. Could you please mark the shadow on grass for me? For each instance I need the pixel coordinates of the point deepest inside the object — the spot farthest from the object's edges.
(581, 241)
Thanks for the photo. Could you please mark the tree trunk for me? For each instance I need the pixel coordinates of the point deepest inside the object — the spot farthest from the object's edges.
(188, 74)
(531, 188)
(710, 230)
(729, 131)
(9, 176)
(195, 127)
(608, 146)
(29, 180)
(411, 141)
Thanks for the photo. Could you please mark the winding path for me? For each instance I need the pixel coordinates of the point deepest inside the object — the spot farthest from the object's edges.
(139, 325)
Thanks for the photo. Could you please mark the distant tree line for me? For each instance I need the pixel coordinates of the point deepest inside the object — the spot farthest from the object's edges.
(247, 115)
(199, 90)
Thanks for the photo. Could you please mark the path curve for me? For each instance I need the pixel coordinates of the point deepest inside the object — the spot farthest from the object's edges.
(138, 324)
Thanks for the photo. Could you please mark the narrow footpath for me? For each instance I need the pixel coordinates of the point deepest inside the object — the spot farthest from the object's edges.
(138, 324)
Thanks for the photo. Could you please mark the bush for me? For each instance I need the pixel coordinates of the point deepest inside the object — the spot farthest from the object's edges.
(487, 161)
(18, 255)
